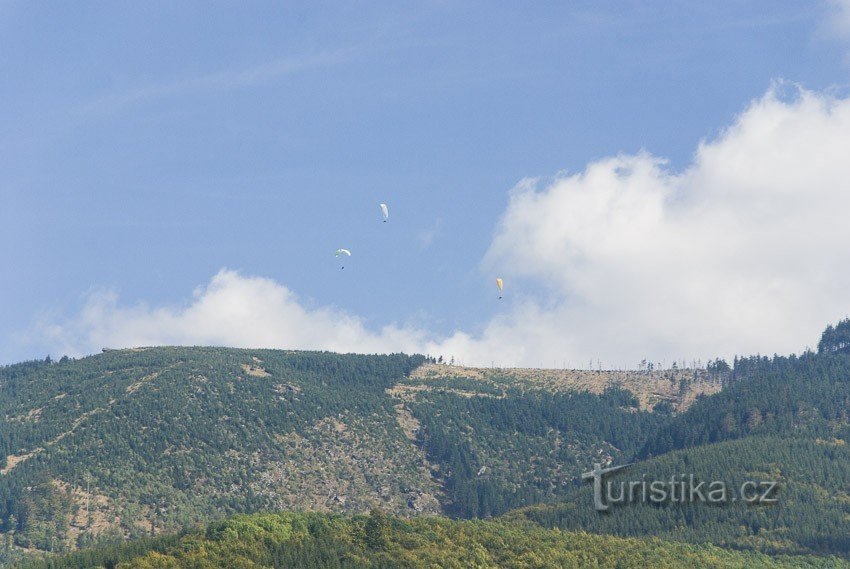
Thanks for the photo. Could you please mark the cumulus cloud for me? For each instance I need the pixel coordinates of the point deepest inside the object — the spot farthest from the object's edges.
(743, 251)
(232, 310)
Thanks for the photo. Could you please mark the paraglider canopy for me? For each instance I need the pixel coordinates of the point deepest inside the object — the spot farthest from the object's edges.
(385, 212)
(342, 253)
(500, 286)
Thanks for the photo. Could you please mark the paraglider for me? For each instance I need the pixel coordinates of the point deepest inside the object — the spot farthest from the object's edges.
(385, 211)
(342, 253)
(500, 286)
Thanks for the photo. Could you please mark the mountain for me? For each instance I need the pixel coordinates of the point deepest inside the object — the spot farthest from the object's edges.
(314, 540)
(782, 418)
(787, 396)
(133, 443)
(810, 516)
(499, 439)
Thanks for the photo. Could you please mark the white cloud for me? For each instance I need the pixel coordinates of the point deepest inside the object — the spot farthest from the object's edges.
(743, 251)
(233, 310)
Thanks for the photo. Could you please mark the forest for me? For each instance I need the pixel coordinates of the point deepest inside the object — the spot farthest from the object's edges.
(376, 540)
(137, 446)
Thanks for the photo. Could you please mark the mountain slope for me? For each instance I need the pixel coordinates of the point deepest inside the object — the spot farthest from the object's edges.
(787, 396)
(811, 515)
(134, 443)
(131, 443)
(784, 419)
(143, 441)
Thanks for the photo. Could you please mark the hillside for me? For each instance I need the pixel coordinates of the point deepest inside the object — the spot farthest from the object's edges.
(132, 443)
(305, 541)
(807, 395)
(145, 442)
(785, 419)
(810, 517)
(500, 439)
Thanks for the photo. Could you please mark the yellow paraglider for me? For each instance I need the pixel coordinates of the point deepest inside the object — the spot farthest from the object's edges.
(500, 285)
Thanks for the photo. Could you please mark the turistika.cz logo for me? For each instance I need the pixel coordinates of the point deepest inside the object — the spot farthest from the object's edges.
(678, 489)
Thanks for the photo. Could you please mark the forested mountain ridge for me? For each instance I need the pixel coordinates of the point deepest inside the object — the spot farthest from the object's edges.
(144, 441)
(785, 419)
(811, 514)
(137, 443)
(131, 443)
(807, 395)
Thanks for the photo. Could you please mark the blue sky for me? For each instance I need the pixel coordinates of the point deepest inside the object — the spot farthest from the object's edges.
(145, 147)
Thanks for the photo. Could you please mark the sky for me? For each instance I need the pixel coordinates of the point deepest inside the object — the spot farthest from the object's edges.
(661, 181)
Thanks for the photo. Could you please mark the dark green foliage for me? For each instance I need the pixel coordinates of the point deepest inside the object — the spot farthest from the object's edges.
(106, 555)
(836, 339)
(376, 530)
(718, 366)
(176, 436)
(810, 516)
(306, 541)
(530, 445)
(784, 418)
(170, 436)
(788, 396)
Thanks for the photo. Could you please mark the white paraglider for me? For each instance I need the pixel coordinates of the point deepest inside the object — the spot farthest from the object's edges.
(385, 212)
(342, 253)
(500, 285)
